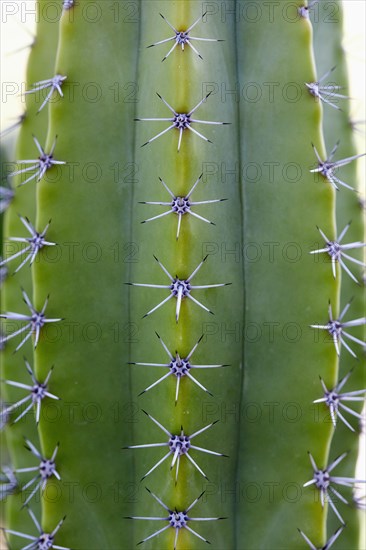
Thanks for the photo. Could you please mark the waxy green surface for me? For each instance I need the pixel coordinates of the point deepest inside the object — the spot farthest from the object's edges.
(290, 289)
(40, 66)
(90, 205)
(338, 125)
(264, 231)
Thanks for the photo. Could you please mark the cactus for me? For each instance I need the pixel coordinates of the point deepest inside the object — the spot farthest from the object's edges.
(181, 356)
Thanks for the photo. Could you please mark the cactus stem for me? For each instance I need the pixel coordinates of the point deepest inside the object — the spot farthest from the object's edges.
(328, 544)
(35, 243)
(181, 121)
(179, 445)
(177, 520)
(333, 399)
(178, 367)
(327, 168)
(335, 328)
(35, 322)
(46, 469)
(54, 83)
(335, 250)
(182, 38)
(180, 206)
(179, 288)
(44, 162)
(44, 540)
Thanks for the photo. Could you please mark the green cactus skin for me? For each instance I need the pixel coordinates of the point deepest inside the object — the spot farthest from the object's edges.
(304, 204)
(194, 409)
(102, 245)
(329, 53)
(97, 356)
(40, 65)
